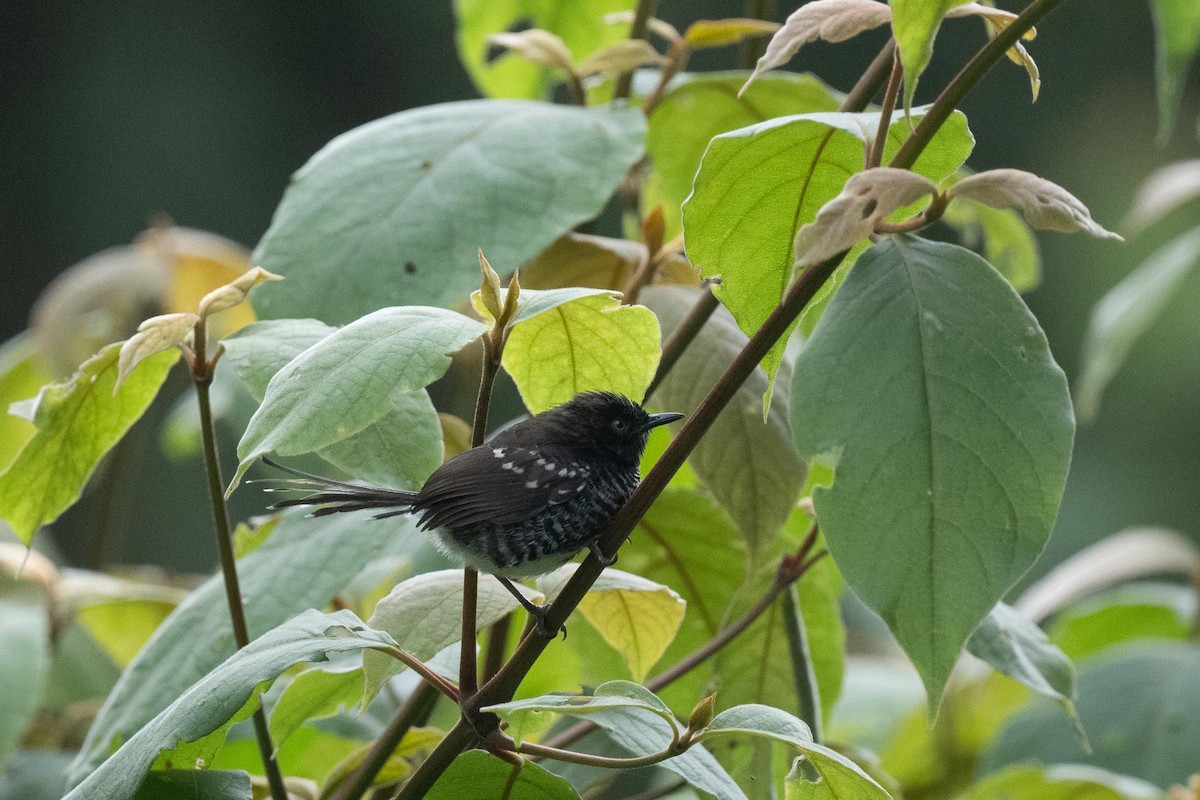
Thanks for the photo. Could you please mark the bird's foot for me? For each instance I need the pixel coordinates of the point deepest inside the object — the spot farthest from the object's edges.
(605, 561)
(539, 623)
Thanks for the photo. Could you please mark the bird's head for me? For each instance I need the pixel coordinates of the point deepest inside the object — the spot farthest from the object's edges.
(608, 422)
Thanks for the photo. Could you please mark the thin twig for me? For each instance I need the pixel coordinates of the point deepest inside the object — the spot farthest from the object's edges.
(808, 692)
(875, 153)
(641, 20)
(493, 655)
(587, 759)
(202, 376)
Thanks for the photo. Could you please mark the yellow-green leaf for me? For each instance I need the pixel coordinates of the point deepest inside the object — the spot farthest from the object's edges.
(22, 373)
(78, 422)
(637, 617)
(915, 24)
(721, 32)
(588, 344)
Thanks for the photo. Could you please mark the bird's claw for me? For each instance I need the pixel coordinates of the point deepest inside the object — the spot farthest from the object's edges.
(605, 561)
(540, 626)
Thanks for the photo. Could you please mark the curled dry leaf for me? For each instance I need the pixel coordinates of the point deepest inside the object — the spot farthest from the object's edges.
(831, 20)
(1163, 192)
(232, 294)
(536, 45)
(664, 30)
(623, 56)
(723, 32)
(1044, 204)
(155, 335)
(997, 20)
(867, 199)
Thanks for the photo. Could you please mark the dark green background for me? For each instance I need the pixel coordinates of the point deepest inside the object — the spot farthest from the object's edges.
(113, 112)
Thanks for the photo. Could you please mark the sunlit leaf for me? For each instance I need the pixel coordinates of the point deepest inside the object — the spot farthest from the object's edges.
(953, 387)
(123, 625)
(1146, 611)
(637, 617)
(724, 32)
(312, 694)
(477, 775)
(915, 24)
(21, 375)
(1176, 39)
(1060, 782)
(1006, 241)
(592, 343)
(77, 423)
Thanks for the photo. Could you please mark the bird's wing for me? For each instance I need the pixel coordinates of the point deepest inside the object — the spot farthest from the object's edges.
(502, 484)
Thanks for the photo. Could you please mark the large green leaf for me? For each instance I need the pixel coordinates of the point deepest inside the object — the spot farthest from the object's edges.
(915, 24)
(424, 614)
(478, 775)
(392, 213)
(930, 388)
(302, 565)
(757, 185)
(313, 694)
(837, 777)
(1155, 611)
(760, 486)
(702, 106)
(347, 381)
(24, 657)
(1176, 39)
(1140, 705)
(402, 447)
(1126, 312)
(21, 375)
(222, 693)
(77, 423)
(592, 342)
(1060, 782)
(195, 784)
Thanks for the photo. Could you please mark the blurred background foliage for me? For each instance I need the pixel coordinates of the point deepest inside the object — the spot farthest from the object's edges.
(115, 114)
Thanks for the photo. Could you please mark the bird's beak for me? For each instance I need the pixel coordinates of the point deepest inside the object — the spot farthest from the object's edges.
(661, 419)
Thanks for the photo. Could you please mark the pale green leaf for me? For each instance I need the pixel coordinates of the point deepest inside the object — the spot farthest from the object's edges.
(1176, 39)
(950, 440)
(591, 343)
(155, 335)
(1006, 240)
(1138, 611)
(304, 564)
(760, 487)
(578, 23)
(1126, 312)
(637, 617)
(24, 657)
(758, 185)
(347, 381)
(1060, 782)
(21, 375)
(477, 775)
(915, 24)
(195, 784)
(313, 694)
(220, 694)
(1140, 705)
(424, 615)
(393, 212)
(414, 747)
(724, 32)
(77, 423)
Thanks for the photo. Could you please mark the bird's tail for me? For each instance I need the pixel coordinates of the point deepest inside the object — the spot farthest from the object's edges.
(336, 496)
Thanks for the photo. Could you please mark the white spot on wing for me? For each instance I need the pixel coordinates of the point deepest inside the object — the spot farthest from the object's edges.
(498, 452)
(531, 484)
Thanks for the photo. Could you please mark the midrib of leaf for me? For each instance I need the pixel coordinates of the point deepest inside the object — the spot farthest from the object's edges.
(673, 559)
(786, 274)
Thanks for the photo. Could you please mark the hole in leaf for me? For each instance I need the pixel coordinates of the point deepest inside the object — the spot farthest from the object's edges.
(870, 207)
(410, 268)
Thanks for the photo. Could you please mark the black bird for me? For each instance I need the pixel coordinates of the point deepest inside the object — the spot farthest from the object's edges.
(525, 502)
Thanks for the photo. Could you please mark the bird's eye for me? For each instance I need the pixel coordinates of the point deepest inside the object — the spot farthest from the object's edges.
(619, 425)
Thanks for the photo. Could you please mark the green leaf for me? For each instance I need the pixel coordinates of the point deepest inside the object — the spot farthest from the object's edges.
(400, 448)
(1126, 312)
(579, 23)
(414, 746)
(24, 657)
(424, 615)
(590, 343)
(1007, 242)
(1012, 644)
(1140, 705)
(34, 775)
(392, 213)
(220, 694)
(915, 24)
(312, 694)
(77, 423)
(1155, 611)
(1176, 39)
(477, 775)
(304, 564)
(950, 438)
(760, 487)
(701, 106)
(838, 778)
(348, 380)
(757, 185)
(1060, 782)
(532, 302)
(637, 617)
(195, 784)
(123, 625)
(21, 375)
(637, 721)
